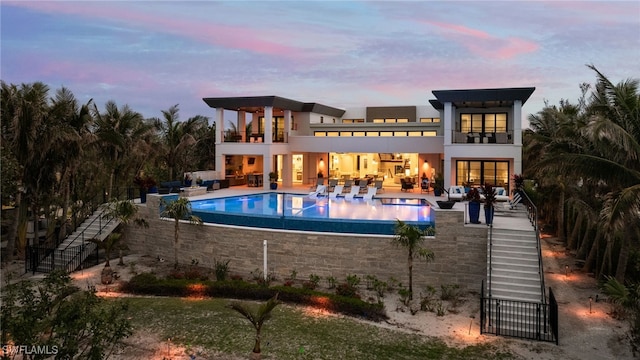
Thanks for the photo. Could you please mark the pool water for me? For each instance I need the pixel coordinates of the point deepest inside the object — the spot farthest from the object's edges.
(301, 212)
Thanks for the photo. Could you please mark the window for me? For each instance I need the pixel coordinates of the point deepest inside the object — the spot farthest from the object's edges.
(399, 133)
(476, 173)
(372, 133)
(332, 133)
(378, 121)
(386, 133)
(320, 133)
(429, 133)
(415, 133)
(345, 133)
(358, 133)
(429, 120)
(483, 123)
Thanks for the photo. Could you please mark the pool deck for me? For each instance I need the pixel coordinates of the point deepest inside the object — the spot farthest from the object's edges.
(503, 219)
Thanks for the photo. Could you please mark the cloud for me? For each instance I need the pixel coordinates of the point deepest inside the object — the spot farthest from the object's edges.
(483, 44)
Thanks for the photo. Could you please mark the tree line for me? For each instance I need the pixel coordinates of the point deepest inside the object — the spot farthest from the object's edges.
(60, 156)
(585, 162)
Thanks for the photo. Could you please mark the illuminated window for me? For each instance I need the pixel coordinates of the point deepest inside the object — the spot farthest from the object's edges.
(386, 133)
(378, 120)
(320, 133)
(372, 133)
(415, 133)
(333, 133)
(476, 173)
(429, 133)
(390, 120)
(347, 121)
(399, 133)
(429, 120)
(483, 123)
(345, 133)
(358, 133)
(403, 120)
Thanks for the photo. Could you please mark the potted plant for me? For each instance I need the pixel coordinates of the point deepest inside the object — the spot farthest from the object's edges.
(473, 196)
(438, 185)
(489, 202)
(445, 204)
(187, 180)
(147, 185)
(273, 180)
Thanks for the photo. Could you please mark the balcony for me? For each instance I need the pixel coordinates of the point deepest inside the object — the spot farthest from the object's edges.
(482, 137)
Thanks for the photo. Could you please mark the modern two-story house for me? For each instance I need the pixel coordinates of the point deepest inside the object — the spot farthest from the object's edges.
(470, 136)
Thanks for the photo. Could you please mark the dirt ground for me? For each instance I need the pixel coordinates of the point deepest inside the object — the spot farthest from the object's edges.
(587, 331)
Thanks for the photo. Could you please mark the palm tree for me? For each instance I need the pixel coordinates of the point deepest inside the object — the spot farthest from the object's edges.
(126, 212)
(178, 210)
(257, 318)
(627, 301)
(123, 135)
(411, 238)
(179, 138)
(109, 244)
(24, 118)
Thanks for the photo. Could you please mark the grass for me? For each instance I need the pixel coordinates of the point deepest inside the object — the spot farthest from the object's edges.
(291, 333)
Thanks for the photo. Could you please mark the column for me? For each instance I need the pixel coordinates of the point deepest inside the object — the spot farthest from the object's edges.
(219, 121)
(287, 125)
(448, 124)
(447, 171)
(517, 122)
(287, 170)
(268, 128)
(242, 125)
(267, 167)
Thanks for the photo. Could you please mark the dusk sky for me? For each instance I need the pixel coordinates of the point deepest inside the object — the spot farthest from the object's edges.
(152, 55)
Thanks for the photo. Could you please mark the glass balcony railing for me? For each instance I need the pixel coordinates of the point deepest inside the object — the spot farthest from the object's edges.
(482, 137)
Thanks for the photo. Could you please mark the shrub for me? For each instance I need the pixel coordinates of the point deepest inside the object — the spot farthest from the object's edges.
(309, 285)
(221, 269)
(405, 295)
(353, 280)
(450, 292)
(315, 280)
(331, 282)
(346, 289)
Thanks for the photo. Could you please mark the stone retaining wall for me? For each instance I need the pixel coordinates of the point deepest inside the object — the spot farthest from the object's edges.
(460, 250)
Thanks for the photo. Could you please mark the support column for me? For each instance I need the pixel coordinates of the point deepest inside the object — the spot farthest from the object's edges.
(268, 128)
(287, 125)
(447, 171)
(267, 167)
(287, 170)
(449, 122)
(219, 121)
(242, 125)
(517, 122)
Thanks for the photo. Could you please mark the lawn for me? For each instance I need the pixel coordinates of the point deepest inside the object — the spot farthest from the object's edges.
(292, 333)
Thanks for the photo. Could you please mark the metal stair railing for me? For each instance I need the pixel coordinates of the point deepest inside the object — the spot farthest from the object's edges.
(532, 213)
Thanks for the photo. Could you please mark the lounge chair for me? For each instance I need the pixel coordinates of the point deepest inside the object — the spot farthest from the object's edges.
(363, 186)
(371, 192)
(378, 184)
(355, 190)
(513, 203)
(501, 194)
(456, 193)
(320, 189)
(337, 190)
(332, 184)
(348, 184)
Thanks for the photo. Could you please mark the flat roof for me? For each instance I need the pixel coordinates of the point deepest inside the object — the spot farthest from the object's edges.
(483, 98)
(256, 104)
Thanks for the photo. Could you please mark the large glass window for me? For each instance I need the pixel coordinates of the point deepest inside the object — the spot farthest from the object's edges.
(483, 123)
(478, 172)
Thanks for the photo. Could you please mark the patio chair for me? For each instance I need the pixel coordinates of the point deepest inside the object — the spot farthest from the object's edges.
(406, 185)
(363, 186)
(513, 203)
(332, 184)
(424, 185)
(456, 193)
(347, 185)
(355, 190)
(501, 194)
(371, 192)
(337, 190)
(320, 189)
(378, 184)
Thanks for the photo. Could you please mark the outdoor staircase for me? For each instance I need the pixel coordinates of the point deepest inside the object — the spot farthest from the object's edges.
(513, 266)
(76, 247)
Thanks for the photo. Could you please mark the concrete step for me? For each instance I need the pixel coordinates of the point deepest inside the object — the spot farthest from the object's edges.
(519, 254)
(502, 285)
(517, 295)
(509, 237)
(509, 260)
(531, 279)
(527, 273)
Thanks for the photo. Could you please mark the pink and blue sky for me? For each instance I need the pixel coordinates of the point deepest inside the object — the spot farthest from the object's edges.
(154, 54)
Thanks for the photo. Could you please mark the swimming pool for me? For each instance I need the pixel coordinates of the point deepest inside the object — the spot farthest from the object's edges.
(300, 212)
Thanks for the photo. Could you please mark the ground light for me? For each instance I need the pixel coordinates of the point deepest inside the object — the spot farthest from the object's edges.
(590, 302)
(566, 271)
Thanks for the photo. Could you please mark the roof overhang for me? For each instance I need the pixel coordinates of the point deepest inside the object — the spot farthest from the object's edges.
(256, 104)
(481, 98)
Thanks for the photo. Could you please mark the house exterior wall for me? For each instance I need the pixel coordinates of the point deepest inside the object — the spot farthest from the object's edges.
(460, 250)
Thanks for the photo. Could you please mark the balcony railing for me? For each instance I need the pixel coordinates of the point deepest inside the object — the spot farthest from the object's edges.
(482, 137)
(255, 138)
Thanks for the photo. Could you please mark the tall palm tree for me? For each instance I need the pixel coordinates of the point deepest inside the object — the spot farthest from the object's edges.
(179, 138)
(411, 238)
(126, 212)
(122, 133)
(257, 318)
(178, 210)
(24, 117)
